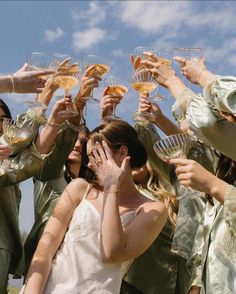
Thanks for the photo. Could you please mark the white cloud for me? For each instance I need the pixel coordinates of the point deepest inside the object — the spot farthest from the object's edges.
(217, 19)
(93, 16)
(88, 38)
(118, 53)
(52, 36)
(153, 17)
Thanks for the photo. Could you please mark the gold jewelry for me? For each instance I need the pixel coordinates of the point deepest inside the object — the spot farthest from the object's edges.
(52, 124)
(98, 162)
(12, 83)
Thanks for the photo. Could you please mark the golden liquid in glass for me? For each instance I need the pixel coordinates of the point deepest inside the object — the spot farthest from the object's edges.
(66, 82)
(101, 69)
(144, 87)
(118, 90)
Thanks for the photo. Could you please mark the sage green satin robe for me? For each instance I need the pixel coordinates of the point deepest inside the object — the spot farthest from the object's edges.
(49, 183)
(25, 162)
(202, 113)
(215, 265)
(162, 268)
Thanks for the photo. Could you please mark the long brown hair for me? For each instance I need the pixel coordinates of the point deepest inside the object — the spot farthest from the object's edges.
(155, 185)
(117, 133)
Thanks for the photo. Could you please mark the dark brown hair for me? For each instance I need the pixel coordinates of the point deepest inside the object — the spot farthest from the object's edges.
(5, 109)
(117, 133)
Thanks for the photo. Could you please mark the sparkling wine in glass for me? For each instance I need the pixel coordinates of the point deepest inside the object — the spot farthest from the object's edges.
(67, 77)
(174, 146)
(13, 134)
(38, 61)
(143, 82)
(102, 66)
(117, 87)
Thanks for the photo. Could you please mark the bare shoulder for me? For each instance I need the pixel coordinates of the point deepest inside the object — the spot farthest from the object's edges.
(77, 188)
(157, 207)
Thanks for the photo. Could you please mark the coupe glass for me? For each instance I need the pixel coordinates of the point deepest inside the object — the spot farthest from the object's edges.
(40, 61)
(175, 146)
(101, 68)
(194, 54)
(13, 134)
(67, 77)
(165, 54)
(116, 86)
(143, 82)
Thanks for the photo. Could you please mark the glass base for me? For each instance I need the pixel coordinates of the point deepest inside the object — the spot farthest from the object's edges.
(68, 113)
(157, 98)
(143, 118)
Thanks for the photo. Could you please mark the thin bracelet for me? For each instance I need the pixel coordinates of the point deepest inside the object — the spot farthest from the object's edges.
(53, 124)
(111, 191)
(12, 83)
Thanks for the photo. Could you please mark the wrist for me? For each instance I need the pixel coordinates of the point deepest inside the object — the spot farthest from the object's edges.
(203, 77)
(171, 80)
(112, 188)
(54, 123)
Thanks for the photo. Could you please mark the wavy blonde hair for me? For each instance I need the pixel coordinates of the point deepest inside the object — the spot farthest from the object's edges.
(156, 186)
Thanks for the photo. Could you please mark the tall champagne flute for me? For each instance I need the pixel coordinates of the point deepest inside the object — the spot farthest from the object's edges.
(67, 77)
(175, 146)
(102, 66)
(12, 134)
(40, 61)
(117, 87)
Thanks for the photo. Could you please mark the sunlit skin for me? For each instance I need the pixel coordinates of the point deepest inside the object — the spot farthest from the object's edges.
(116, 155)
(140, 175)
(75, 156)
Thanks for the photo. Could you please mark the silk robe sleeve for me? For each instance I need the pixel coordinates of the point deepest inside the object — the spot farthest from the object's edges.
(64, 144)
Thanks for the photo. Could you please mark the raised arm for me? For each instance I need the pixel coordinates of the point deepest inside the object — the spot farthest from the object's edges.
(118, 243)
(53, 236)
(47, 136)
(23, 81)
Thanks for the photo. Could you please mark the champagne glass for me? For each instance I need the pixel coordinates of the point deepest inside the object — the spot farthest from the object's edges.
(165, 54)
(12, 133)
(194, 54)
(40, 61)
(143, 82)
(116, 86)
(174, 146)
(102, 66)
(67, 77)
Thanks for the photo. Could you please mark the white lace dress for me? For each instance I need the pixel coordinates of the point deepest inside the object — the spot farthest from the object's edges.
(77, 266)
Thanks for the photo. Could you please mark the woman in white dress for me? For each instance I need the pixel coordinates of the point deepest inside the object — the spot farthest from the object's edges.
(97, 229)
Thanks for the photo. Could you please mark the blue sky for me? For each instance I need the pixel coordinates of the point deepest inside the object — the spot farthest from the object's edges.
(112, 29)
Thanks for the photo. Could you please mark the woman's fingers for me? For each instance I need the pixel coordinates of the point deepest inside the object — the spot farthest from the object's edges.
(107, 150)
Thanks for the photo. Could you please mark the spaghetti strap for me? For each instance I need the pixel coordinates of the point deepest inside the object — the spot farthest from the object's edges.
(87, 191)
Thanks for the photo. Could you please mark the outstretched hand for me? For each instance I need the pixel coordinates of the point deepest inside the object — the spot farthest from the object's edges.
(192, 174)
(29, 81)
(192, 69)
(108, 172)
